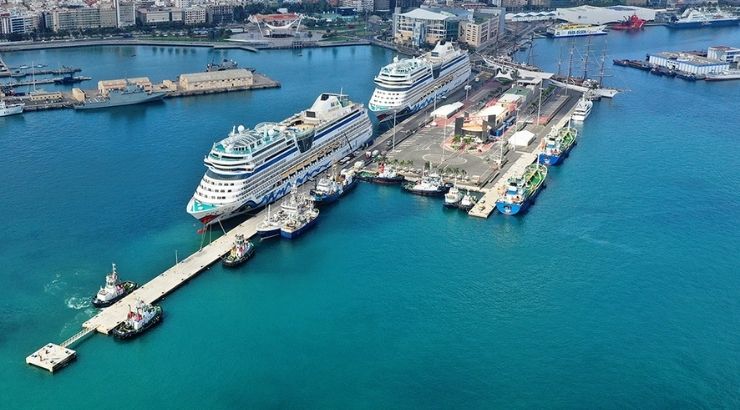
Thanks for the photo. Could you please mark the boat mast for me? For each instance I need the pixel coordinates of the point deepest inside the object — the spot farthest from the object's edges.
(560, 59)
(531, 47)
(585, 58)
(570, 62)
(601, 69)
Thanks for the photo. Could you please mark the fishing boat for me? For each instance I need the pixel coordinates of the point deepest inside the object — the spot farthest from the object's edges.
(521, 191)
(239, 253)
(557, 146)
(270, 226)
(467, 202)
(332, 187)
(427, 185)
(113, 291)
(453, 197)
(386, 175)
(300, 213)
(140, 319)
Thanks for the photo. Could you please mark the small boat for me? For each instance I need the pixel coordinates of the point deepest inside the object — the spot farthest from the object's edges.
(521, 191)
(139, 320)
(239, 253)
(453, 197)
(467, 202)
(557, 146)
(427, 185)
(583, 108)
(270, 226)
(113, 291)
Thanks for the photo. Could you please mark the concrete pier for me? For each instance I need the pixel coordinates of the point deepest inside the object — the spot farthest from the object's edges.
(51, 357)
(487, 203)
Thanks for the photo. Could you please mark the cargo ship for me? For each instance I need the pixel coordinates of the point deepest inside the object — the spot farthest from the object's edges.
(131, 94)
(630, 23)
(695, 18)
(520, 192)
(575, 30)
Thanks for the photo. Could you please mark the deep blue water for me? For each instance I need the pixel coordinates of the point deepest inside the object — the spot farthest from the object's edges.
(618, 289)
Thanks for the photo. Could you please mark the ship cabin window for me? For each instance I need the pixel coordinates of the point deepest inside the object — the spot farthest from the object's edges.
(310, 114)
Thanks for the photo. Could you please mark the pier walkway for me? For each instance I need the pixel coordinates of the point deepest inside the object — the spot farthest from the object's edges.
(172, 278)
(53, 356)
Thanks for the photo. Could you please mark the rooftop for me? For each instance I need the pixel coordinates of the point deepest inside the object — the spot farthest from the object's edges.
(423, 14)
(688, 58)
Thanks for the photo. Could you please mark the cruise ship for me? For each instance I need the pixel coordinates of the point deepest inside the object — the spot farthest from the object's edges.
(406, 86)
(575, 30)
(254, 167)
(694, 18)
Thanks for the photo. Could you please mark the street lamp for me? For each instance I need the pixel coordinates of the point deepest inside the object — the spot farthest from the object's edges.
(467, 89)
(393, 146)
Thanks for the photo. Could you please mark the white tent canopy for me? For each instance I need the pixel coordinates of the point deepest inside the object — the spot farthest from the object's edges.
(521, 138)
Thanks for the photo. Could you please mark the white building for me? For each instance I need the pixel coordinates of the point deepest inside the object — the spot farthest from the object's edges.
(603, 15)
(690, 63)
(421, 26)
(723, 53)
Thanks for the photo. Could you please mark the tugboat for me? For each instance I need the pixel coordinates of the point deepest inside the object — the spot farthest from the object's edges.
(428, 185)
(240, 252)
(558, 146)
(387, 175)
(139, 320)
(270, 226)
(467, 202)
(113, 291)
(520, 192)
(453, 197)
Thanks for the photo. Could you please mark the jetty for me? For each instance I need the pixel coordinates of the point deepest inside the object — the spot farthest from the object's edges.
(53, 357)
(487, 203)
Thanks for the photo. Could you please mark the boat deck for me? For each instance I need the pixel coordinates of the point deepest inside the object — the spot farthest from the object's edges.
(487, 203)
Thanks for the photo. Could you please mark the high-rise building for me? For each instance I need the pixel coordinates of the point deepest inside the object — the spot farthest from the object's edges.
(422, 26)
(219, 14)
(18, 22)
(382, 5)
(483, 27)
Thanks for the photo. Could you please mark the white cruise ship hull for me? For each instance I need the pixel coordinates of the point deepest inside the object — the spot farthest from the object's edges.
(333, 143)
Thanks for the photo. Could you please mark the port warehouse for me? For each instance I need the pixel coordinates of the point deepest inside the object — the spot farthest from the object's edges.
(690, 63)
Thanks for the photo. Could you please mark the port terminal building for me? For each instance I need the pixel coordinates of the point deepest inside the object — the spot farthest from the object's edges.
(687, 62)
(723, 53)
(603, 15)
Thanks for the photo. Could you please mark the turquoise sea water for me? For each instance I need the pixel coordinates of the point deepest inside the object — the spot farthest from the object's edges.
(618, 289)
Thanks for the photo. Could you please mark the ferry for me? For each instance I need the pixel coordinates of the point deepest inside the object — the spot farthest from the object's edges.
(583, 109)
(140, 319)
(557, 146)
(408, 85)
(113, 291)
(575, 30)
(253, 168)
(520, 192)
(695, 18)
(10, 109)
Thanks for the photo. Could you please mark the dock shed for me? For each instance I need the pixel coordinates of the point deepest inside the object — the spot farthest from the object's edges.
(236, 79)
(690, 63)
(521, 138)
(119, 84)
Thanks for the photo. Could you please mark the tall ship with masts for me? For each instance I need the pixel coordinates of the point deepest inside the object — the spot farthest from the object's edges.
(252, 168)
(593, 87)
(405, 86)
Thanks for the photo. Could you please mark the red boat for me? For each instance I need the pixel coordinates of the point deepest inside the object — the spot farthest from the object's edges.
(631, 23)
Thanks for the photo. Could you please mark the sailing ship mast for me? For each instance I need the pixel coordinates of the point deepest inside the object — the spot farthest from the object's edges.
(585, 58)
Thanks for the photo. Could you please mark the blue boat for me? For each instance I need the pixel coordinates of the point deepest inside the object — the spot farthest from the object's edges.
(521, 191)
(557, 146)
